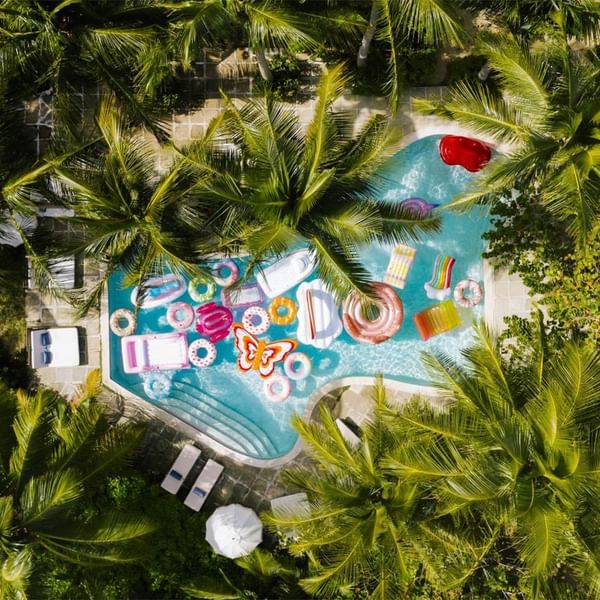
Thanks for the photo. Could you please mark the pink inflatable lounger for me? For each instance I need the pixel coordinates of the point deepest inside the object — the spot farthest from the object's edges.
(154, 352)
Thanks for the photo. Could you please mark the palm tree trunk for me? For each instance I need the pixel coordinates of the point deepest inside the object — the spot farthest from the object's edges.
(263, 65)
(365, 44)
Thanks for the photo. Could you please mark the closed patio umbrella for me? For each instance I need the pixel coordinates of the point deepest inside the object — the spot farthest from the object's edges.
(233, 530)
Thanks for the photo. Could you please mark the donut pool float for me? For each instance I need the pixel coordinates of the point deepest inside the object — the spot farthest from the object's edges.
(469, 153)
(384, 326)
(201, 288)
(297, 366)
(277, 388)
(475, 296)
(180, 315)
(194, 353)
(226, 273)
(157, 386)
(256, 320)
(122, 322)
(283, 310)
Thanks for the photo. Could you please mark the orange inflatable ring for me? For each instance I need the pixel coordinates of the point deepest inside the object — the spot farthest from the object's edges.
(380, 329)
(290, 310)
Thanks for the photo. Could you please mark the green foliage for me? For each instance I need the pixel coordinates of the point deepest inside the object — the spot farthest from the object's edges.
(464, 67)
(288, 74)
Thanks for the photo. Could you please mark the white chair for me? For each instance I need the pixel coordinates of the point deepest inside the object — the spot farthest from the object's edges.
(180, 469)
(55, 347)
(347, 433)
(203, 485)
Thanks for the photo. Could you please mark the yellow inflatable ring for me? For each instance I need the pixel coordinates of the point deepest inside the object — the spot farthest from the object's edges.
(290, 310)
(120, 315)
(198, 296)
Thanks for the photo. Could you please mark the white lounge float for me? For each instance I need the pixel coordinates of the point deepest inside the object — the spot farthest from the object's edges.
(159, 291)
(319, 321)
(154, 352)
(287, 272)
(180, 469)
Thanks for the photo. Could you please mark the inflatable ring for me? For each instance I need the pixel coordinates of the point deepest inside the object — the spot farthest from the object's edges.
(119, 315)
(297, 366)
(250, 325)
(180, 315)
(290, 310)
(277, 388)
(226, 280)
(196, 359)
(201, 280)
(384, 326)
(476, 293)
(157, 386)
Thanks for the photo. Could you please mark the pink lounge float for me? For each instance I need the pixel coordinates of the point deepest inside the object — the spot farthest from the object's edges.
(158, 291)
(154, 352)
(469, 153)
(384, 326)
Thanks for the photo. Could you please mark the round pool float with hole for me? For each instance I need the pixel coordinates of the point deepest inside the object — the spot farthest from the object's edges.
(277, 388)
(226, 273)
(180, 315)
(205, 347)
(256, 320)
(122, 322)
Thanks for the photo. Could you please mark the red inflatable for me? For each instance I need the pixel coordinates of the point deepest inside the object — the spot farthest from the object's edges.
(471, 154)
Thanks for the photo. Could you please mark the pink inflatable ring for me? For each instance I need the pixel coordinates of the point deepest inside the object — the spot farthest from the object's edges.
(180, 315)
(194, 353)
(380, 329)
(226, 273)
(249, 320)
(277, 388)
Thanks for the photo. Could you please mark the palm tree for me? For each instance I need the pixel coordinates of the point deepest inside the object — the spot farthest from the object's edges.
(129, 217)
(52, 453)
(398, 22)
(516, 448)
(364, 522)
(126, 46)
(277, 186)
(545, 107)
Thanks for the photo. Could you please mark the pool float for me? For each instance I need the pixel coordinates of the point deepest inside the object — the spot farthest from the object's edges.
(194, 353)
(193, 288)
(277, 388)
(157, 386)
(469, 153)
(213, 321)
(226, 272)
(438, 287)
(297, 366)
(116, 319)
(154, 352)
(476, 293)
(436, 319)
(259, 355)
(290, 310)
(243, 296)
(249, 320)
(180, 315)
(159, 291)
(287, 272)
(418, 206)
(401, 260)
(384, 326)
(319, 322)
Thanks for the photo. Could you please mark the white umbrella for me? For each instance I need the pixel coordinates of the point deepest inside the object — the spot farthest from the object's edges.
(233, 530)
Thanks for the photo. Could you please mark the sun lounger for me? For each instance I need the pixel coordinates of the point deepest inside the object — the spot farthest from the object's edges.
(55, 347)
(292, 504)
(62, 271)
(347, 433)
(203, 485)
(180, 468)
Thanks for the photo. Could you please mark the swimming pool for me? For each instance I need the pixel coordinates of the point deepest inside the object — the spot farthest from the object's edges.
(229, 405)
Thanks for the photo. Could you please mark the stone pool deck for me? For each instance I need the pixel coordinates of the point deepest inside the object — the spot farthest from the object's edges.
(252, 486)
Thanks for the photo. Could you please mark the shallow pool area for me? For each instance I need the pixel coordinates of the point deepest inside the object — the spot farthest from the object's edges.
(230, 406)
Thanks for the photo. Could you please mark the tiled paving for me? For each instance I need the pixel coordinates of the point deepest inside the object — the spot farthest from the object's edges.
(251, 486)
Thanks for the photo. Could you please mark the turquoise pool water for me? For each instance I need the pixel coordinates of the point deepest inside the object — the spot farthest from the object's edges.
(229, 405)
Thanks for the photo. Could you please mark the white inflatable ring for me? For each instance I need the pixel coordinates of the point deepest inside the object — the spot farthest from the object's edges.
(180, 315)
(122, 314)
(202, 361)
(157, 386)
(297, 366)
(476, 293)
(277, 388)
(226, 280)
(250, 325)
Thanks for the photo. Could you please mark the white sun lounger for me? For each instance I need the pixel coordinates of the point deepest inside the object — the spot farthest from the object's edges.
(292, 504)
(203, 485)
(54, 347)
(180, 469)
(347, 433)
